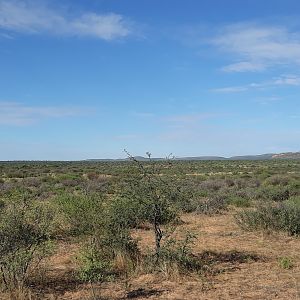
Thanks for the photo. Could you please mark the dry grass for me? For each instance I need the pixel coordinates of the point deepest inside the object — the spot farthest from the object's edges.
(242, 265)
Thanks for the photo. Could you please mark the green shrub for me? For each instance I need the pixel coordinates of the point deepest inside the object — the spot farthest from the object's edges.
(274, 180)
(285, 263)
(294, 188)
(211, 206)
(278, 217)
(295, 200)
(82, 212)
(212, 185)
(274, 193)
(247, 193)
(108, 255)
(238, 201)
(154, 196)
(95, 265)
(175, 257)
(25, 231)
(127, 212)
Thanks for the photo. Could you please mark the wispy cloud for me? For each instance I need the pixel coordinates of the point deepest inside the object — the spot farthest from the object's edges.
(256, 47)
(17, 114)
(187, 118)
(231, 89)
(34, 17)
(283, 80)
(243, 67)
(267, 100)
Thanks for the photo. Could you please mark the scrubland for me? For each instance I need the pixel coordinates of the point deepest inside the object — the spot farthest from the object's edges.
(150, 230)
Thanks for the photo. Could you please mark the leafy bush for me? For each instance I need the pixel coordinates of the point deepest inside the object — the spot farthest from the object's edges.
(155, 197)
(295, 200)
(274, 180)
(213, 185)
(210, 206)
(248, 193)
(238, 201)
(25, 231)
(107, 256)
(274, 193)
(82, 212)
(127, 212)
(278, 217)
(175, 257)
(95, 265)
(294, 188)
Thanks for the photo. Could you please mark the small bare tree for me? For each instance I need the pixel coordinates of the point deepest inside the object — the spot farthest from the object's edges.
(155, 196)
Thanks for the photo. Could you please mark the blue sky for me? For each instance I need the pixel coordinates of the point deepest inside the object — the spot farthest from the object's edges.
(88, 78)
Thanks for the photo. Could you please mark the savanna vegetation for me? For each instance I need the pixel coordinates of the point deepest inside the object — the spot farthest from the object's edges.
(150, 229)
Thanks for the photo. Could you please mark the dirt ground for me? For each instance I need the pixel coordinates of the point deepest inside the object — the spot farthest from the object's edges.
(247, 267)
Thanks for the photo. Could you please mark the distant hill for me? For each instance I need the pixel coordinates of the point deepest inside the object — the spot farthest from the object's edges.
(241, 157)
(287, 155)
(201, 158)
(252, 157)
(268, 156)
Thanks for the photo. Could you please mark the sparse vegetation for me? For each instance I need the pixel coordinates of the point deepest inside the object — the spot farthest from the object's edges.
(129, 219)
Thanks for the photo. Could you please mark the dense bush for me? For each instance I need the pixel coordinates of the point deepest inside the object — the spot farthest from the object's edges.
(238, 201)
(295, 200)
(274, 180)
(25, 232)
(154, 196)
(107, 255)
(82, 212)
(213, 185)
(274, 193)
(294, 188)
(210, 206)
(283, 216)
(176, 257)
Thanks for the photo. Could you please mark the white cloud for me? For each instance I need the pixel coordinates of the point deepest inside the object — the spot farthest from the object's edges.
(267, 100)
(33, 17)
(12, 113)
(258, 47)
(244, 66)
(188, 118)
(107, 27)
(288, 80)
(283, 80)
(231, 89)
